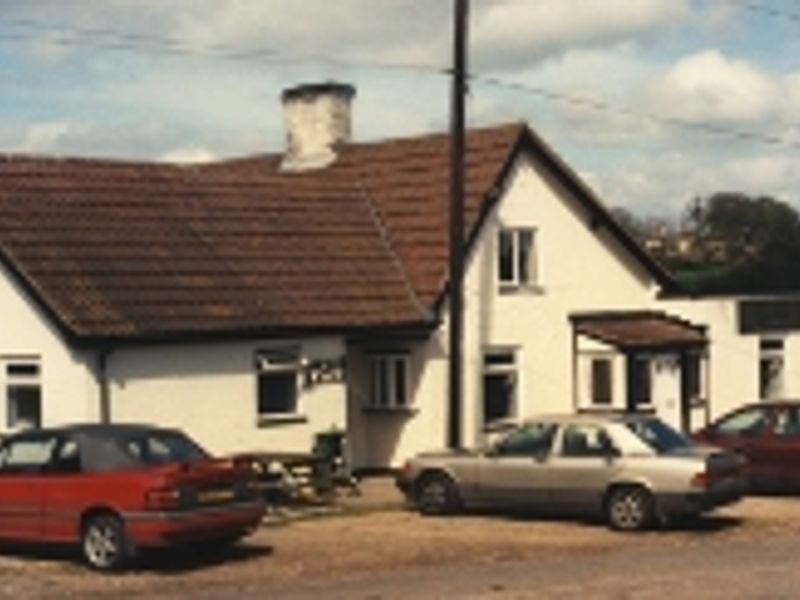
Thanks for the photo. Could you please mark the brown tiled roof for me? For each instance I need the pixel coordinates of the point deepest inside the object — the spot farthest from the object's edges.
(114, 249)
(639, 329)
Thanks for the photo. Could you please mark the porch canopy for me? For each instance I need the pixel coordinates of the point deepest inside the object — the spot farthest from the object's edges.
(640, 330)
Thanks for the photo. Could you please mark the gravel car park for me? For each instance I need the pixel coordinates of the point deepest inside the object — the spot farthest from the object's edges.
(633, 469)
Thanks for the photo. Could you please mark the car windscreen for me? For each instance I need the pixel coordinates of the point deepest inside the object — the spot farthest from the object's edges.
(657, 435)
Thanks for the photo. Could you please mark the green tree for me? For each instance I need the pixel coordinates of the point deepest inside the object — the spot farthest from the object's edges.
(759, 237)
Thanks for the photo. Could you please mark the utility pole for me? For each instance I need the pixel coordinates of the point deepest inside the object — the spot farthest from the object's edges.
(456, 277)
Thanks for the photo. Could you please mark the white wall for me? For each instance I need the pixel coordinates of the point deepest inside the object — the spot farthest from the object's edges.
(210, 391)
(582, 270)
(381, 438)
(733, 368)
(68, 387)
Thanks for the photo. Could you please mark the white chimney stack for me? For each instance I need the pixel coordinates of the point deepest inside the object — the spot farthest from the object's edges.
(317, 117)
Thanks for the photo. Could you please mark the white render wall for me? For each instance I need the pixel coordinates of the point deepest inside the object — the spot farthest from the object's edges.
(581, 271)
(68, 387)
(734, 357)
(210, 391)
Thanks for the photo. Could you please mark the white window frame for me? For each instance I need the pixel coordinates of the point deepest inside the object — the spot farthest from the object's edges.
(31, 379)
(510, 369)
(278, 361)
(384, 395)
(532, 279)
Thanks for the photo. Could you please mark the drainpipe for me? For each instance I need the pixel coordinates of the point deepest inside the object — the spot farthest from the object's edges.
(102, 377)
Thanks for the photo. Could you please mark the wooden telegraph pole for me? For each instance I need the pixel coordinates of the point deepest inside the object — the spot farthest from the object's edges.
(456, 277)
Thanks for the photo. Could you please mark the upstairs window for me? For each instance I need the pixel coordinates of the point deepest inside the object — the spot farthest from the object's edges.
(278, 373)
(516, 258)
(389, 381)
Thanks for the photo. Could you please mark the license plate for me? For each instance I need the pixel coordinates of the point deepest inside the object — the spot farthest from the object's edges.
(215, 496)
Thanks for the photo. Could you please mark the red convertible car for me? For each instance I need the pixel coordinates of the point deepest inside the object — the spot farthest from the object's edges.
(767, 434)
(116, 489)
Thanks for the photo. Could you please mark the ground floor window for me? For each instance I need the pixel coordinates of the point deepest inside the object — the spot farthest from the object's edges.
(278, 375)
(602, 381)
(23, 395)
(388, 380)
(770, 368)
(500, 385)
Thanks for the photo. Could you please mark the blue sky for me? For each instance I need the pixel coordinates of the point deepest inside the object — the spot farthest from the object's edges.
(604, 82)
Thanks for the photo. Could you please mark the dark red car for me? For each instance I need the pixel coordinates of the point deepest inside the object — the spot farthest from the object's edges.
(116, 489)
(767, 434)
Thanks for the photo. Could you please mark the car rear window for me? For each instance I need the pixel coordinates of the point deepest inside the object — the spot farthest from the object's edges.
(164, 447)
(138, 449)
(658, 435)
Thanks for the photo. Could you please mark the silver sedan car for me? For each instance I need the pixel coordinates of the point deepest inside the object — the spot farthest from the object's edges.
(633, 469)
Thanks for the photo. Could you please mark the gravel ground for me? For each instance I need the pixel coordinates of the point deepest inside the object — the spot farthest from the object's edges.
(368, 540)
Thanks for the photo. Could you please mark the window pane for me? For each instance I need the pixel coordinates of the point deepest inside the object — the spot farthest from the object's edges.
(277, 393)
(586, 440)
(505, 253)
(22, 369)
(529, 440)
(691, 375)
(498, 396)
(770, 376)
(399, 382)
(747, 422)
(771, 344)
(601, 381)
(641, 384)
(383, 383)
(29, 454)
(24, 406)
(525, 257)
(498, 359)
(787, 422)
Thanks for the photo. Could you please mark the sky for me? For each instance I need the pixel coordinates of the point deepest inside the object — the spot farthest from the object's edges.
(652, 102)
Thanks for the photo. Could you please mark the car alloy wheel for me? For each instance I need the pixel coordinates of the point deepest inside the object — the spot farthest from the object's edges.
(437, 495)
(629, 508)
(105, 545)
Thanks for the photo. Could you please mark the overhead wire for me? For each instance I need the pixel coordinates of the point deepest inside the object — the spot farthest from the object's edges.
(115, 39)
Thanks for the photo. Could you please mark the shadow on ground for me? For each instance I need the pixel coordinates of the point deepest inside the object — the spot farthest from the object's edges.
(167, 561)
(701, 524)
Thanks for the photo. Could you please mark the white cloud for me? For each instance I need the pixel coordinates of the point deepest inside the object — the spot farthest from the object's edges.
(663, 187)
(43, 137)
(511, 33)
(710, 87)
(188, 155)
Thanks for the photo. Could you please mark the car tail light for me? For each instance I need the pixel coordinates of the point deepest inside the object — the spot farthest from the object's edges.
(165, 498)
(699, 480)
